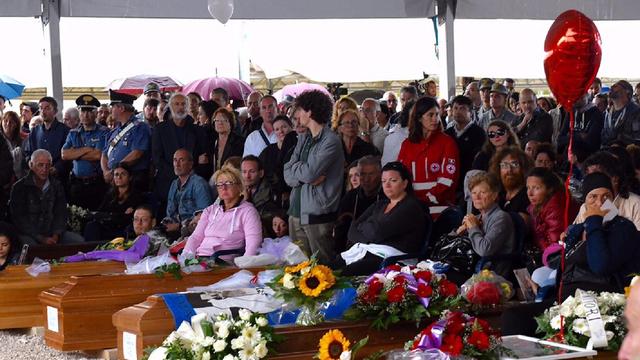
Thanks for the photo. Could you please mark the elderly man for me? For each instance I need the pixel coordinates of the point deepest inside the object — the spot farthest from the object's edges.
(84, 147)
(473, 92)
(498, 101)
(369, 110)
(254, 121)
(38, 207)
(188, 192)
(128, 143)
(259, 139)
(50, 135)
(621, 121)
(534, 123)
(71, 117)
(315, 173)
(392, 102)
(178, 131)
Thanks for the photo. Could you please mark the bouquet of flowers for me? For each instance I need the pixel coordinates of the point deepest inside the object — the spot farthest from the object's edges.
(223, 338)
(335, 346)
(118, 243)
(77, 218)
(403, 293)
(308, 286)
(460, 334)
(487, 288)
(575, 325)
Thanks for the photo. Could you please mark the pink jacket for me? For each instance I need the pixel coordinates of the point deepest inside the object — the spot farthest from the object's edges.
(224, 230)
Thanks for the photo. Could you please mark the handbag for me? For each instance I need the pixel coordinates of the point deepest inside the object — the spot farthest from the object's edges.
(457, 251)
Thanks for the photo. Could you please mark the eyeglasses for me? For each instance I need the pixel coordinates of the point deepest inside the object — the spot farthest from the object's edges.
(509, 165)
(225, 184)
(494, 134)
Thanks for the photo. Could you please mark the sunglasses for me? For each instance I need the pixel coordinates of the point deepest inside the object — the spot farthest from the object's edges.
(498, 133)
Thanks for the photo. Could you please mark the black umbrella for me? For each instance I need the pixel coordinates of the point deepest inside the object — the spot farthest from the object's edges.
(360, 95)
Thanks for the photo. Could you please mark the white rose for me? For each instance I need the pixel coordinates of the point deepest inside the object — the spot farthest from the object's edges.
(555, 322)
(206, 356)
(158, 354)
(287, 281)
(237, 343)
(223, 329)
(262, 321)
(245, 314)
(346, 355)
(580, 311)
(261, 350)
(219, 345)
(566, 311)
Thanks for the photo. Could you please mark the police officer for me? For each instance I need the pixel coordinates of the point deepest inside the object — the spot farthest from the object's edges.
(128, 143)
(84, 146)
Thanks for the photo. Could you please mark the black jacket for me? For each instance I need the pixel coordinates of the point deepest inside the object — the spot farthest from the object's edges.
(36, 213)
(403, 228)
(164, 144)
(540, 128)
(587, 130)
(469, 144)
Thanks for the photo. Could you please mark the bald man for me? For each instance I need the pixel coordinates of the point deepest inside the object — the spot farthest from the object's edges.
(534, 123)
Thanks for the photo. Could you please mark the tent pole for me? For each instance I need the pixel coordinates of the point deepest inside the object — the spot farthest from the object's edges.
(447, 54)
(51, 22)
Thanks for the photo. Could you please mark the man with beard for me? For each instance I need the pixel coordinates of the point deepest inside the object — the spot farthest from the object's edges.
(103, 114)
(621, 121)
(511, 164)
(178, 131)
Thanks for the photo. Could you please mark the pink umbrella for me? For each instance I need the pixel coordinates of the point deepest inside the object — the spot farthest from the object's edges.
(134, 85)
(237, 89)
(294, 90)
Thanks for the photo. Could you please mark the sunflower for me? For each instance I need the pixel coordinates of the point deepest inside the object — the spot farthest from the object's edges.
(332, 344)
(296, 268)
(318, 279)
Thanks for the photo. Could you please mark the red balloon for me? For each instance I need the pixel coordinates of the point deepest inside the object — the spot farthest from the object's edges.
(573, 55)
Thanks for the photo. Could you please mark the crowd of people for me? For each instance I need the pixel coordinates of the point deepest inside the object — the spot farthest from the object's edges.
(351, 183)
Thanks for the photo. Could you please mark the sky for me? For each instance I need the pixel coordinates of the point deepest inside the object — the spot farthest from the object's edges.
(97, 51)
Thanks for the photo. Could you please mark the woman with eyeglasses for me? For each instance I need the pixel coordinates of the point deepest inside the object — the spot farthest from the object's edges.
(353, 146)
(116, 210)
(391, 226)
(431, 156)
(230, 228)
(499, 136)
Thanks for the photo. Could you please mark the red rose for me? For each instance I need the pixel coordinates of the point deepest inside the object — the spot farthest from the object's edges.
(454, 326)
(479, 339)
(394, 267)
(396, 294)
(484, 293)
(424, 275)
(483, 324)
(424, 290)
(452, 344)
(447, 288)
(399, 280)
(375, 286)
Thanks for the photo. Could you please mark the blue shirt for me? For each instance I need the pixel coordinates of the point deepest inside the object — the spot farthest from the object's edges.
(50, 139)
(183, 201)
(137, 138)
(79, 138)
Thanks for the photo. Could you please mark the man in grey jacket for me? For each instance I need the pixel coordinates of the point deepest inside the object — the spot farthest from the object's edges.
(315, 173)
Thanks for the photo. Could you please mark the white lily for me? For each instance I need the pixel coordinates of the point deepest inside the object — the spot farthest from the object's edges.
(158, 354)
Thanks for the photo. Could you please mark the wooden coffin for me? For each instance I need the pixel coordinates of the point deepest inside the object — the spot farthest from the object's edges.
(149, 323)
(19, 303)
(79, 312)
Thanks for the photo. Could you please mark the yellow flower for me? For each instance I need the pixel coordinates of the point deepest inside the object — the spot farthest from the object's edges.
(332, 345)
(117, 241)
(296, 268)
(318, 279)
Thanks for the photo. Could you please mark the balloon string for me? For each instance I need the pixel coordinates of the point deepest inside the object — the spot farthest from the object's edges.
(566, 210)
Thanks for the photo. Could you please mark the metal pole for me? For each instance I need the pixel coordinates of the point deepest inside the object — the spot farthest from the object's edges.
(51, 22)
(447, 55)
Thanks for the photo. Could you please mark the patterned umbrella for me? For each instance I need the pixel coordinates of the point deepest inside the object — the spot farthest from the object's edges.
(238, 90)
(134, 85)
(294, 90)
(10, 88)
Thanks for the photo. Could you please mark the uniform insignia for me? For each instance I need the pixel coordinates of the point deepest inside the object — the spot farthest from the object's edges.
(435, 167)
(451, 168)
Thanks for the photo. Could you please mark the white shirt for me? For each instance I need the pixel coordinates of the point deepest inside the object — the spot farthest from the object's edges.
(378, 135)
(255, 143)
(392, 144)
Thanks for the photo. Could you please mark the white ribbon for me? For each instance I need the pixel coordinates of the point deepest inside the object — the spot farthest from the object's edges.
(594, 320)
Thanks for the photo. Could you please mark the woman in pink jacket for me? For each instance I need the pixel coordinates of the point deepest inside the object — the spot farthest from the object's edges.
(233, 224)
